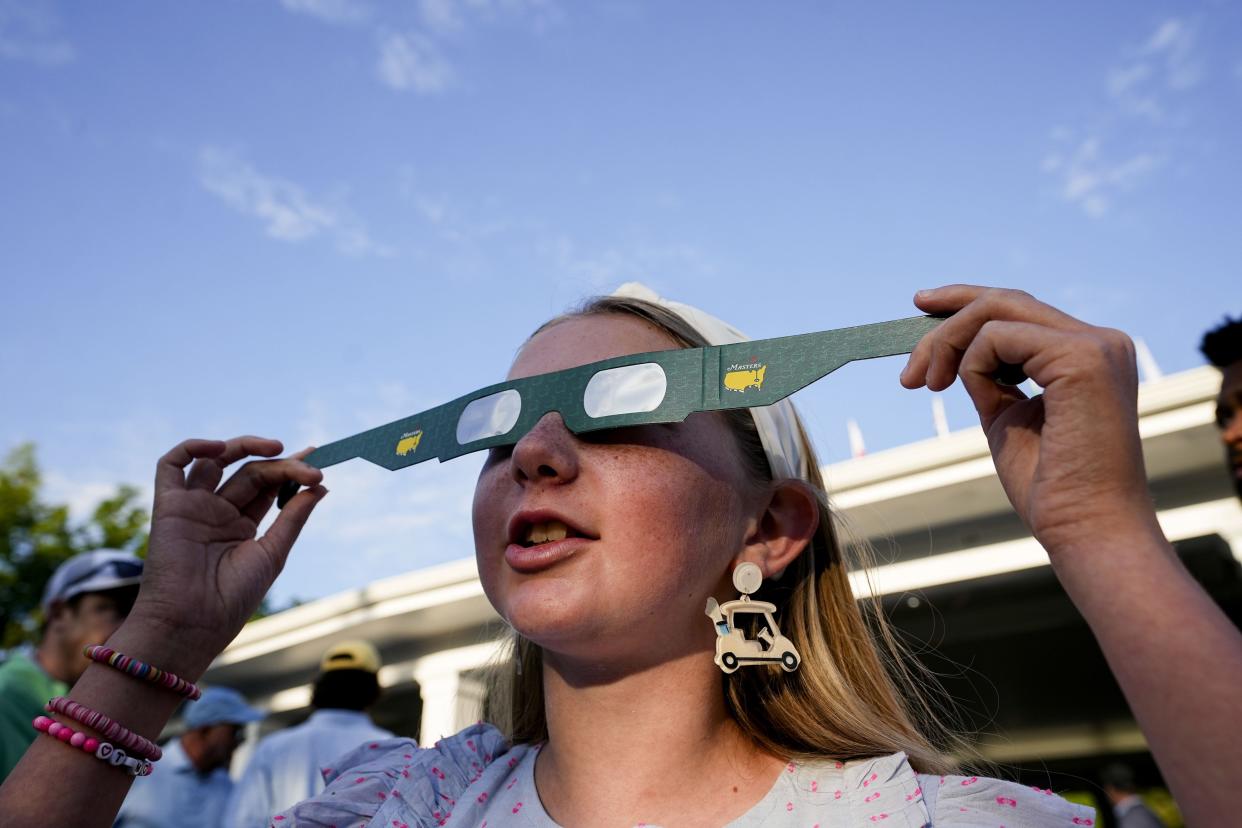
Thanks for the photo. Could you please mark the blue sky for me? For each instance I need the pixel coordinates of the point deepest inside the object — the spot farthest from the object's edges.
(302, 218)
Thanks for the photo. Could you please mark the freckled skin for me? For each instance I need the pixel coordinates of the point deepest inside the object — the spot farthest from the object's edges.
(668, 503)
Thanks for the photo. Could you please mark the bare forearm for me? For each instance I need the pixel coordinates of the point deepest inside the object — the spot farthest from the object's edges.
(1177, 658)
(56, 784)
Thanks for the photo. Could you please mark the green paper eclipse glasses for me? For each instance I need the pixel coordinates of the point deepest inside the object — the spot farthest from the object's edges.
(638, 389)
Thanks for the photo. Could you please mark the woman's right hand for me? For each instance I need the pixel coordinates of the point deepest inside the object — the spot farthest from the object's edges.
(206, 570)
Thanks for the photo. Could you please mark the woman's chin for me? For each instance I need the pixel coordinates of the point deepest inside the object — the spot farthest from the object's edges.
(547, 612)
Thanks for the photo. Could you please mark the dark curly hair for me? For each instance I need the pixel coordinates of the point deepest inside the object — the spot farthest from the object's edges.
(1223, 344)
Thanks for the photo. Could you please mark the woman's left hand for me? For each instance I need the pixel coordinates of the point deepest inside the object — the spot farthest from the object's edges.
(1070, 459)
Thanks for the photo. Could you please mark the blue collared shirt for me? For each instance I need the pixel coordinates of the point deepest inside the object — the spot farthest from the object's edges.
(288, 766)
(176, 794)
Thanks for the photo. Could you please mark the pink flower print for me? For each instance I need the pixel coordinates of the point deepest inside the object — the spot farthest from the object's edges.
(836, 794)
(383, 795)
(1084, 821)
(879, 817)
(470, 744)
(870, 779)
(487, 757)
(517, 807)
(439, 774)
(790, 768)
(374, 746)
(481, 798)
(360, 780)
(972, 780)
(1004, 800)
(408, 755)
(278, 818)
(325, 771)
(513, 762)
(512, 782)
(788, 806)
(397, 794)
(405, 773)
(814, 786)
(873, 797)
(838, 765)
(917, 792)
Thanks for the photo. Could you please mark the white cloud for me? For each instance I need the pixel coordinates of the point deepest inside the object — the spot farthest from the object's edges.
(412, 62)
(330, 11)
(1145, 95)
(287, 212)
(1167, 63)
(28, 32)
(81, 495)
(1092, 181)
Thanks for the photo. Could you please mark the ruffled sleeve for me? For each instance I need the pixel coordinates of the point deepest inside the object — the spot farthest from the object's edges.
(394, 782)
(982, 801)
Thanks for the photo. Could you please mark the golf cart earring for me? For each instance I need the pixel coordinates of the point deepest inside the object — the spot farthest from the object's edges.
(734, 619)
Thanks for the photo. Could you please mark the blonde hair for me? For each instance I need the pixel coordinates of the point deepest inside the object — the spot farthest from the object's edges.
(856, 692)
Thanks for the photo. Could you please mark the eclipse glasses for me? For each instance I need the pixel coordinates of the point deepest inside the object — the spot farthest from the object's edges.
(639, 389)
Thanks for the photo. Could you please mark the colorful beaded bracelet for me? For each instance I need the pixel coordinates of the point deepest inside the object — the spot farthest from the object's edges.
(100, 723)
(141, 670)
(100, 750)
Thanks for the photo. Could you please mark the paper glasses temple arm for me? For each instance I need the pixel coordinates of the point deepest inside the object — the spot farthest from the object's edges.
(764, 371)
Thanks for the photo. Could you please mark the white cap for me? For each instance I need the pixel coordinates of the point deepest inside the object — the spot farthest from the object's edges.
(97, 571)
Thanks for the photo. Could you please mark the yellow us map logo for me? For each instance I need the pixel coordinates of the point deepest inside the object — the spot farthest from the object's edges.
(409, 442)
(740, 377)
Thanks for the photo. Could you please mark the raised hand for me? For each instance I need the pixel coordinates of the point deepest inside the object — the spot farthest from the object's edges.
(1070, 459)
(207, 571)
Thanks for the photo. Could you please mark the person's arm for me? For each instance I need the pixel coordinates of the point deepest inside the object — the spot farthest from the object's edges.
(206, 573)
(1071, 463)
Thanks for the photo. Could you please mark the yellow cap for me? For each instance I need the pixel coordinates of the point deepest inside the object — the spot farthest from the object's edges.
(351, 655)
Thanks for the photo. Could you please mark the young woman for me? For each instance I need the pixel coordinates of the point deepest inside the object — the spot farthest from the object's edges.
(614, 710)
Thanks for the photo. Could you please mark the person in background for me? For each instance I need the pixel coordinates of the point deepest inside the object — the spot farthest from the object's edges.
(84, 602)
(1117, 780)
(190, 785)
(1223, 348)
(288, 766)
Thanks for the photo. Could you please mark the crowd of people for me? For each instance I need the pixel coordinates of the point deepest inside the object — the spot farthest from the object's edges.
(562, 725)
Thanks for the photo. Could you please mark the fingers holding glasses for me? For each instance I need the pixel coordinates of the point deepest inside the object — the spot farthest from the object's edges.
(936, 359)
(206, 472)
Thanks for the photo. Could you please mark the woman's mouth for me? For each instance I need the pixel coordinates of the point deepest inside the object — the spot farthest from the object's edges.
(542, 544)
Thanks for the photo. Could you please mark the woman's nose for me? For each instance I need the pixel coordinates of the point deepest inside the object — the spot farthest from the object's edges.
(547, 453)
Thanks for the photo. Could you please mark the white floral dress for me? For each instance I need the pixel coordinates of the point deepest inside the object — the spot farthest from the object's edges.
(475, 779)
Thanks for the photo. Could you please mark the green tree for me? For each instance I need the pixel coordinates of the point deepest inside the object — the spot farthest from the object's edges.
(36, 537)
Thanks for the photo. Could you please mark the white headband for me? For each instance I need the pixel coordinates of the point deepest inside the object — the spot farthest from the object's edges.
(777, 422)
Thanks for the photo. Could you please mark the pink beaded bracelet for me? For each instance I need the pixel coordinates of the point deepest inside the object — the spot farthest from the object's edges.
(100, 750)
(100, 723)
(141, 670)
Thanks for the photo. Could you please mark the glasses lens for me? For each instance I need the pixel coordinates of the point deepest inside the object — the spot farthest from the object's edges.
(625, 390)
(489, 416)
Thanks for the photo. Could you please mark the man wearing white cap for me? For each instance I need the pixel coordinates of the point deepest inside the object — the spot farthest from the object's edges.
(190, 785)
(288, 766)
(84, 602)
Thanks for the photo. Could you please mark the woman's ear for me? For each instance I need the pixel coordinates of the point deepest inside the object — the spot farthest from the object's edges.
(784, 528)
